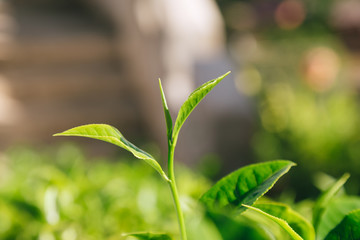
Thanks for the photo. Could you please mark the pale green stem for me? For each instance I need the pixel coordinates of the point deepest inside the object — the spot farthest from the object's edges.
(174, 191)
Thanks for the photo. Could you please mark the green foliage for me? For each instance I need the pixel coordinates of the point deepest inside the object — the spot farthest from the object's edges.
(233, 229)
(110, 134)
(297, 222)
(149, 236)
(245, 185)
(71, 200)
(349, 228)
(237, 191)
(282, 223)
(334, 212)
(168, 118)
(55, 193)
(192, 101)
(325, 198)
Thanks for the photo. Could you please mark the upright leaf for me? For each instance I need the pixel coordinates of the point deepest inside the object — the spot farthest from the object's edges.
(149, 236)
(110, 134)
(297, 222)
(166, 112)
(281, 222)
(348, 228)
(245, 185)
(192, 101)
(325, 198)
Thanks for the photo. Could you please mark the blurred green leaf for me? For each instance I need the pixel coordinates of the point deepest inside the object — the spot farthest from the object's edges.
(112, 135)
(297, 222)
(325, 198)
(336, 210)
(149, 236)
(348, 228)
(192, 101)
(234, 229)
(245, 185)
(281, 222)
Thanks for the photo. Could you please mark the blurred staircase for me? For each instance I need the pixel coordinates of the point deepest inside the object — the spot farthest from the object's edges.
(61, 70)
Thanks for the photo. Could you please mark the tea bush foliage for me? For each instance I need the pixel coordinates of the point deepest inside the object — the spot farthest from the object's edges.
(61, 194)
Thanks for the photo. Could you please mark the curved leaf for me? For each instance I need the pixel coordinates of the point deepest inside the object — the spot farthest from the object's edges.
(336, 210)
(245, 185)
(192, 101)
(348, 228)
(281, 222)
(110, 134)
(167, 113)
(149, 236)
(325, 198)
(297, 222)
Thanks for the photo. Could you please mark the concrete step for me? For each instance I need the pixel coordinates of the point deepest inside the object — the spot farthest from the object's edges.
(65, 84)
(59, 38)
(65, 50)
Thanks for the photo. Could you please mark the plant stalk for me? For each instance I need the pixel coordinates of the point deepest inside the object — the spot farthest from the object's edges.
(174, 191)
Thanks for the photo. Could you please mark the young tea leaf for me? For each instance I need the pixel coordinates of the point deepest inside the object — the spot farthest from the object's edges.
(245, 185)
(110, 134)
(297, 222)
(167, 113)
(348, 228)
(325, 198)
(149, 236)
(282, 223)
(192, 101)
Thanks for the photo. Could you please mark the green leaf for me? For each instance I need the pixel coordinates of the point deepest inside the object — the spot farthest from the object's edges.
(192, 101)
(282, 223)
(237, 228)
(325, 198)
(245, 185)
(149, 236)
(110, 134)
(166, 112)
(348, 228)
(297, 222)
(336, 210)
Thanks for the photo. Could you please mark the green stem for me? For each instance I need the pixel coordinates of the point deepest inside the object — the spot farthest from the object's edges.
(174, 191)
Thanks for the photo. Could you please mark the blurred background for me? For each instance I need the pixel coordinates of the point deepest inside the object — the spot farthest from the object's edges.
(293, 92)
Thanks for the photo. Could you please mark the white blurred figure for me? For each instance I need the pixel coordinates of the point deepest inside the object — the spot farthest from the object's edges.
(194, 32)
(167, 39)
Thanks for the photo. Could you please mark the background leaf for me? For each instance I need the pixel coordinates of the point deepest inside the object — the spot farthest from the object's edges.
(349, 228)
(335, 211)
(192, 101)
(168, 118)
(110, 134)
(325, 198)
(281, 222)
(297, 222)
(149, 236)
(245, 185)
(235, 229)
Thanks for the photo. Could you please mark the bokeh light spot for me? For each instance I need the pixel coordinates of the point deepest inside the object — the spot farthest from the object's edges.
(290, 14)
(321, 67)
(248, 81)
